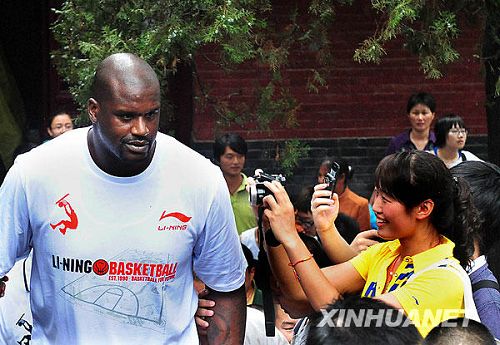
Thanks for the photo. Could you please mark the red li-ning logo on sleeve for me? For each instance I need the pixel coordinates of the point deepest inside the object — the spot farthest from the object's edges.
(177, 215)
(65, 224)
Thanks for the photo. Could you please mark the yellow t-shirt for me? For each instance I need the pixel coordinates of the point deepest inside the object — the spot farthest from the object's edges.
(243, 213)
(430, 298)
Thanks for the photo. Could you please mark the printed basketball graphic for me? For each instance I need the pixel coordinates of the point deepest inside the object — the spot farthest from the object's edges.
(100, 267)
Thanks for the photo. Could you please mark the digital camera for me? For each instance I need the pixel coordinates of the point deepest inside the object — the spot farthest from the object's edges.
(331, 177)
(258, 191)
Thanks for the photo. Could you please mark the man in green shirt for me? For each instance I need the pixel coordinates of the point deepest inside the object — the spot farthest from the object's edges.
(230, 152)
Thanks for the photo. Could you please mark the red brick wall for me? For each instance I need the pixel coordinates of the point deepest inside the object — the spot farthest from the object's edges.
(362, 100)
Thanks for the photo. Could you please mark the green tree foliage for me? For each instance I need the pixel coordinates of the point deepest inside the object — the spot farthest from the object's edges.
(169, 32)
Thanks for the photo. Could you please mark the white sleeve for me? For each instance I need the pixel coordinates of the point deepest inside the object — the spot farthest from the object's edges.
(15, 232)
(218, 257)
(471, 157)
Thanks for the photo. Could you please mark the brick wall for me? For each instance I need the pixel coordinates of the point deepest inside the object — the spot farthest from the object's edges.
(362, 153)
(362, 100)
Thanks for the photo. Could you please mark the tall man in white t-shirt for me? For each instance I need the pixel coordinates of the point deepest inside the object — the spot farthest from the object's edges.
(118, 217)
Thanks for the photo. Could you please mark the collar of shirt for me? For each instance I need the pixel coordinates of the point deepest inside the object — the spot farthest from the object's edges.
(243, 184)
(428, 257)
(476, 264)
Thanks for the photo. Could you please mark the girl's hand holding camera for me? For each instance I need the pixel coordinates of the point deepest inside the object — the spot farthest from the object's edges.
(324, 208)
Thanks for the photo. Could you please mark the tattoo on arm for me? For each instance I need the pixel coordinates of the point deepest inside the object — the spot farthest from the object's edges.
(227, 326)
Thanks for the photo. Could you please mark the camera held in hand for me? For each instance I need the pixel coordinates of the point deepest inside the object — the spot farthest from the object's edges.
(258, 191)
(331, 177)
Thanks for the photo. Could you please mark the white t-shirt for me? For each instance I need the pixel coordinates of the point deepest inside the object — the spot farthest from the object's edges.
(247, 237)
(255, 330)
(113, 256)
(15, 314)
(469, 156)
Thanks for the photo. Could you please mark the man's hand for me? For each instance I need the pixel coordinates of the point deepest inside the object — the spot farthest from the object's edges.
(3, 285)
(203, 313)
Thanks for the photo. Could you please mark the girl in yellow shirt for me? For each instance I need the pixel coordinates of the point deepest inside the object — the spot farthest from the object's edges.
(422, 211)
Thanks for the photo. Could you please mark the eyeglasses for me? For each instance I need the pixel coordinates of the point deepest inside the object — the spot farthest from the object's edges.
(461, 131)
(305, 223)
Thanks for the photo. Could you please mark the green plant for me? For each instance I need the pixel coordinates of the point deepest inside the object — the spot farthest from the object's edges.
(167, 33)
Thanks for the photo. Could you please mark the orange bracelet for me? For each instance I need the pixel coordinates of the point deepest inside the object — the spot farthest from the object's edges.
(298, 262)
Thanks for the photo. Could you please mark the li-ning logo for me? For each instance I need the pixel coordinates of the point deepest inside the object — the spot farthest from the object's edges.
(177, 215)
(65, 224)
(118, 270)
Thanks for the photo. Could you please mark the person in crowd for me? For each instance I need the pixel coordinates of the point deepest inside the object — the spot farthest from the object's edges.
(459, 331)
(253, 293)
(59, 123)
(347, 227)
(451, 136)
(421, 110)
(484, 181)
(352, 204)
(230, 153)
(427, 218)
(283, 322)
(357, 321)
(136, 225)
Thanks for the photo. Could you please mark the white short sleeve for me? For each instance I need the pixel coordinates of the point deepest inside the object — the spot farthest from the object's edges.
(219, 259)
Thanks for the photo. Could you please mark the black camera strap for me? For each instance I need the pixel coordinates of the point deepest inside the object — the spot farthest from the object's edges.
(265, 269)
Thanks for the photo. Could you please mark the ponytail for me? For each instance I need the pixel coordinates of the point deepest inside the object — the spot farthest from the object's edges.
(466, 222)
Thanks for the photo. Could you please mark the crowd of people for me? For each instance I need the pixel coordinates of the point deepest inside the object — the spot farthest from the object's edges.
(116, 233)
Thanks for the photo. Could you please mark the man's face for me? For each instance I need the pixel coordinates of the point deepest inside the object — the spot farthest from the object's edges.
(126, 123)
(231, 162)
(284, 323)
(304, 223)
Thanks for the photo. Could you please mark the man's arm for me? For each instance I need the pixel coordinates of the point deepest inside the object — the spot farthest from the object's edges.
(227, 325)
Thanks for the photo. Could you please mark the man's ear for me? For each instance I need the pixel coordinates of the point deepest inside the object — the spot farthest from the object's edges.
(93, 109)
(425, 209)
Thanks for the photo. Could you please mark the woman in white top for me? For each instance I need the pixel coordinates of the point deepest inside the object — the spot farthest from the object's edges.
(451, 136)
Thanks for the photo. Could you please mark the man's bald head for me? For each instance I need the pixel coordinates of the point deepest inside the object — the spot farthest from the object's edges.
(125, 70)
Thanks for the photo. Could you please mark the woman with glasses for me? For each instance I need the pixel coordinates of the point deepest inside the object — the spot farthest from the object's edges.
(451, 136)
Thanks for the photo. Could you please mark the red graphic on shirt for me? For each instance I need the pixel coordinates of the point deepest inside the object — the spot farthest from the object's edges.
(182, 217)
(65, 224)
(100, 267)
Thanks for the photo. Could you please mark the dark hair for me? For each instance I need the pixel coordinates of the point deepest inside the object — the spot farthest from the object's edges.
(251, 262)
(345, 167)
(347, 227)
(443, 126)
(459, 331)
(421, 98)
(393, 328)
(302, 202)
(484, 182)
(316, 249)
(233, 140)
(412, 177)
(57, 113)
